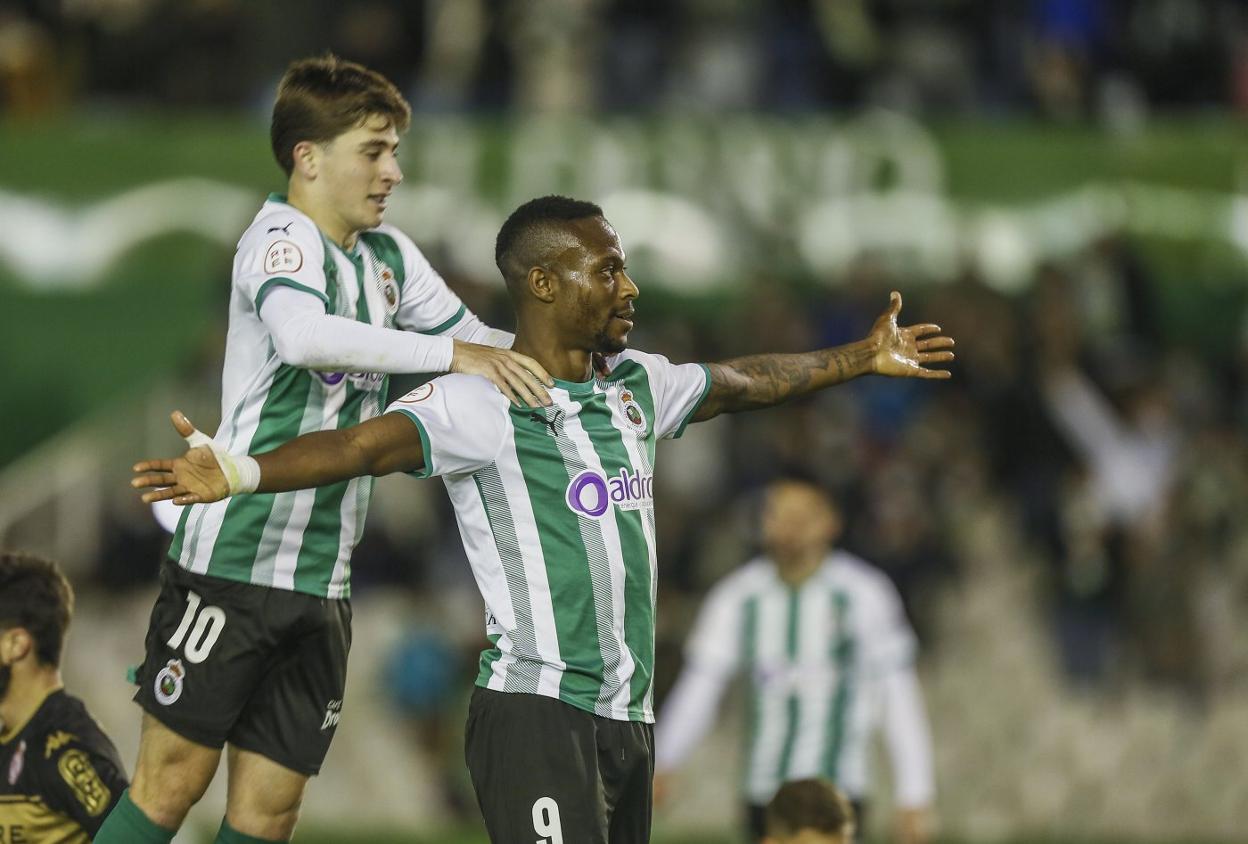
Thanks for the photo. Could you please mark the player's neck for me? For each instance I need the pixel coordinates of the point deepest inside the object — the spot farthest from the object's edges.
(795, 570)
(327, 220)
(25, 696)
(562, 362)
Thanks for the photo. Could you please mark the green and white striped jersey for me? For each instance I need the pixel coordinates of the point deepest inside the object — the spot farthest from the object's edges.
(813, 657)
(303, 540)
(556, 510)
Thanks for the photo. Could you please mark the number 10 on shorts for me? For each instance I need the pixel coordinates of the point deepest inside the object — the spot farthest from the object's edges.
(208, 623)
(546, 821)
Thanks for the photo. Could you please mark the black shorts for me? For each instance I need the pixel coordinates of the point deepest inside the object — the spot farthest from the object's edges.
(547, 772)
(261, 668)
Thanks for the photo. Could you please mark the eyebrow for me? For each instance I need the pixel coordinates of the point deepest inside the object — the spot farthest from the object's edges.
(378, 143)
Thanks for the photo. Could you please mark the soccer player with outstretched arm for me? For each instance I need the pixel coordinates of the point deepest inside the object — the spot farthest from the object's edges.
(823, 643)
(248, 640)
(556, 513)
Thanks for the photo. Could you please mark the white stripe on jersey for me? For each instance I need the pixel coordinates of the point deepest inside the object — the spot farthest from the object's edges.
(615, 692)
(815, 638)
(545, 636)
(769, 645)
(638, 456)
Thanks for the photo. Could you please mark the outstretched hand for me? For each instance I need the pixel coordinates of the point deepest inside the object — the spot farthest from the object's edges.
(193, 478)
(906, 352)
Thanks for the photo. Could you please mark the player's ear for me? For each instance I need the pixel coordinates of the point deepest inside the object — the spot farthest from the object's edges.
(306, 156)
(15, 644)
(541, 284)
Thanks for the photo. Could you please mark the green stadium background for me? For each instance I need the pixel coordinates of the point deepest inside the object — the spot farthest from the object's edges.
(147, 310)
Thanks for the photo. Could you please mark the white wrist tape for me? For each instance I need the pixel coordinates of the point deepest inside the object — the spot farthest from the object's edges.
(241, 472)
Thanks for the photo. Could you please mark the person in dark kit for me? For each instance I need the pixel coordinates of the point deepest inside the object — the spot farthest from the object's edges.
(60, 775)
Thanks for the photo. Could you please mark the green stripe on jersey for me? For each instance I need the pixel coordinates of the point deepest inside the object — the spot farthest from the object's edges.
(179, 534)
(387, 251)
(564, 550)
(448, 323)
(323, 535)
(843, 649)
(268, 286)
(638, 608)
(793, 707)
(523, 675)
(234, 554)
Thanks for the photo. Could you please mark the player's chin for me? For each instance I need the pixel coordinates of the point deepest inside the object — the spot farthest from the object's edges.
(608, 343)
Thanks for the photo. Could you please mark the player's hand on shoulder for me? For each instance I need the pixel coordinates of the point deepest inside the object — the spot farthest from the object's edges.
(908, 351)
(194, 478)
(518, 377)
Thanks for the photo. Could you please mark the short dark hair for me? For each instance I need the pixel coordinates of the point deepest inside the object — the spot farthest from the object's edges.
(320, 98)
(35, 595)
(530, 230)
(813, 804)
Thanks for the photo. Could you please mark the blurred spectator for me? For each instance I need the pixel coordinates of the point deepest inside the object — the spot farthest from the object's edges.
(1063, 59)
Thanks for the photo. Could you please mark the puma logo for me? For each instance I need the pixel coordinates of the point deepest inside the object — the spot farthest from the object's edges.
(285, 228)
(553, 421)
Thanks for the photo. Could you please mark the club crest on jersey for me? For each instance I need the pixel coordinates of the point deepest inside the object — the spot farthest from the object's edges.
(17, 762)
(390, 290)
(168, 686)
(283, 257)
(592, 493)
(632, 411)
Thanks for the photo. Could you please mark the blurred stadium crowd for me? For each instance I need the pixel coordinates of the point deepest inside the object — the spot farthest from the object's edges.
(1062, 58)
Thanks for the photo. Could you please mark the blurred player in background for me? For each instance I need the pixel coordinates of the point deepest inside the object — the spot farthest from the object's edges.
(61, 774)
(827, 651)
(249, 637)
(809, 812)
(556, 512)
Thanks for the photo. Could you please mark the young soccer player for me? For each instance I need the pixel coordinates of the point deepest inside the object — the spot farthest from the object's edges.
(828, 656)
(556, 511)
(248, 639)
(61, 773)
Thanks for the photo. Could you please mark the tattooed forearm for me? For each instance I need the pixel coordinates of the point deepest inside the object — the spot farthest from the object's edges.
(765, 380)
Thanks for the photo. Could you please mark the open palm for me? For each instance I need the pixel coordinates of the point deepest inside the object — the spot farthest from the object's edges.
(907, 351)
(193, 478)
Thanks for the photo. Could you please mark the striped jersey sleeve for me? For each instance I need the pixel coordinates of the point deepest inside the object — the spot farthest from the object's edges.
(715, 641)
(889, 641)
(462, 420)
(427, 304)
(281, 248)
(678, 390)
